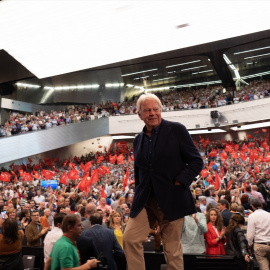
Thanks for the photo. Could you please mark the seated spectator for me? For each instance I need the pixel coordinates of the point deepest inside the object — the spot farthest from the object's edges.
(11, 246)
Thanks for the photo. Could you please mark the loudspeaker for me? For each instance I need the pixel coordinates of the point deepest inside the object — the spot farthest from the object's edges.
(214, 114)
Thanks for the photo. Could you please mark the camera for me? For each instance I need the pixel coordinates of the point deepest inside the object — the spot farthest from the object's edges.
(103, 262)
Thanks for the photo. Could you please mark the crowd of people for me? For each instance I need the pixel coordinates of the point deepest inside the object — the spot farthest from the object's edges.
(211, 97)
(233, 184)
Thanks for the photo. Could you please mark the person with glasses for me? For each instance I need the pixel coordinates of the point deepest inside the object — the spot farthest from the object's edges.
(34, 232)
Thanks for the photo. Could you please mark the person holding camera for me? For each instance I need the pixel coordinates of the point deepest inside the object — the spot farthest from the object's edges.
(236, 241)
(65, 254)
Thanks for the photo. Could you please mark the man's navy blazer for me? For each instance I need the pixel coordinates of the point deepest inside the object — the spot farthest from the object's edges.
(105, 242)
(175, 158)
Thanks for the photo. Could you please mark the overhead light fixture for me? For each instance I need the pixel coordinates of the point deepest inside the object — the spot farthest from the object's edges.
(143, 71)
(252, 126)
(256, 75)
(114, 84)
(186, 63)
(144, 77)
(129, 85)
(169, 72)
(206, 131)
(160, 88)
(198, 84)
(28, 85)
(202, 71)
(164, 79)
(253, 50)
(259, 55)
(88, 86)
(122, 137)
(193, 68)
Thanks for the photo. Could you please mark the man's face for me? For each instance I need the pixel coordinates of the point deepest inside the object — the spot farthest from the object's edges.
(150, 113)
(220, 207)
(203, 202)
(35, 217)
(77, 229)
(32, 204)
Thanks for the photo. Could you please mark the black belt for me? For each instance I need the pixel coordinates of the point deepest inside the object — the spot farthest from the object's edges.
(267, 244)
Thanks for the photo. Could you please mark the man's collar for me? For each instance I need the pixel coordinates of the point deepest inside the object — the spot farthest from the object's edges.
(155, 130)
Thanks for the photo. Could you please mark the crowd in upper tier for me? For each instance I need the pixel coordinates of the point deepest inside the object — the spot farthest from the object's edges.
(201, 98)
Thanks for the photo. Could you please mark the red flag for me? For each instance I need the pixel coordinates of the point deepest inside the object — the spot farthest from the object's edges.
(244, 148)
(243, 156)
(264, 130)
(204, 173)
(73, 174)
(15, 177)
(217, 181)
(256, 132)
(120, 159)
(129, 159)
(100, 146)
(100, 158)
(211, 164)
(64, 179)
(213, 153)
(71, 165)
(94, 176)
(82, 184)
(249, 136)
(5, 176)
(30, 160)
(257, 170)
(87, 166)
(112, 159)
(126, 179)
(236, 147)
(234, 155)
(102, 193)
(36, 174)
(28, 177)
(76, 159)
(223, 155)
(48, 174)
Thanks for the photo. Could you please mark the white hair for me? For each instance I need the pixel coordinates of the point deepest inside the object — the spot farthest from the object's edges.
(145, 97)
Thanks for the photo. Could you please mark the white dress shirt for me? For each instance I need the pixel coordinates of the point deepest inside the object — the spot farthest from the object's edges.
(258, 228)
(50, 239)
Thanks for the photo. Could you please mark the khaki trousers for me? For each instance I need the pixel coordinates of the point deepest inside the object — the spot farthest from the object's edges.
(262, 253)
(138, 229)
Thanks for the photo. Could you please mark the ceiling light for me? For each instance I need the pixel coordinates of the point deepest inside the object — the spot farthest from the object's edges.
(198, 84)
(28, 85)
(252, 126)
(164, 79)
(129, 85)
(206, 131)
(256, 75)
(113, 84)
(193, 68)
(160, 88)
(122, 137)
(202, 71)
(139, 72)
(259, 55)
(258, 49)
(186, 63)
